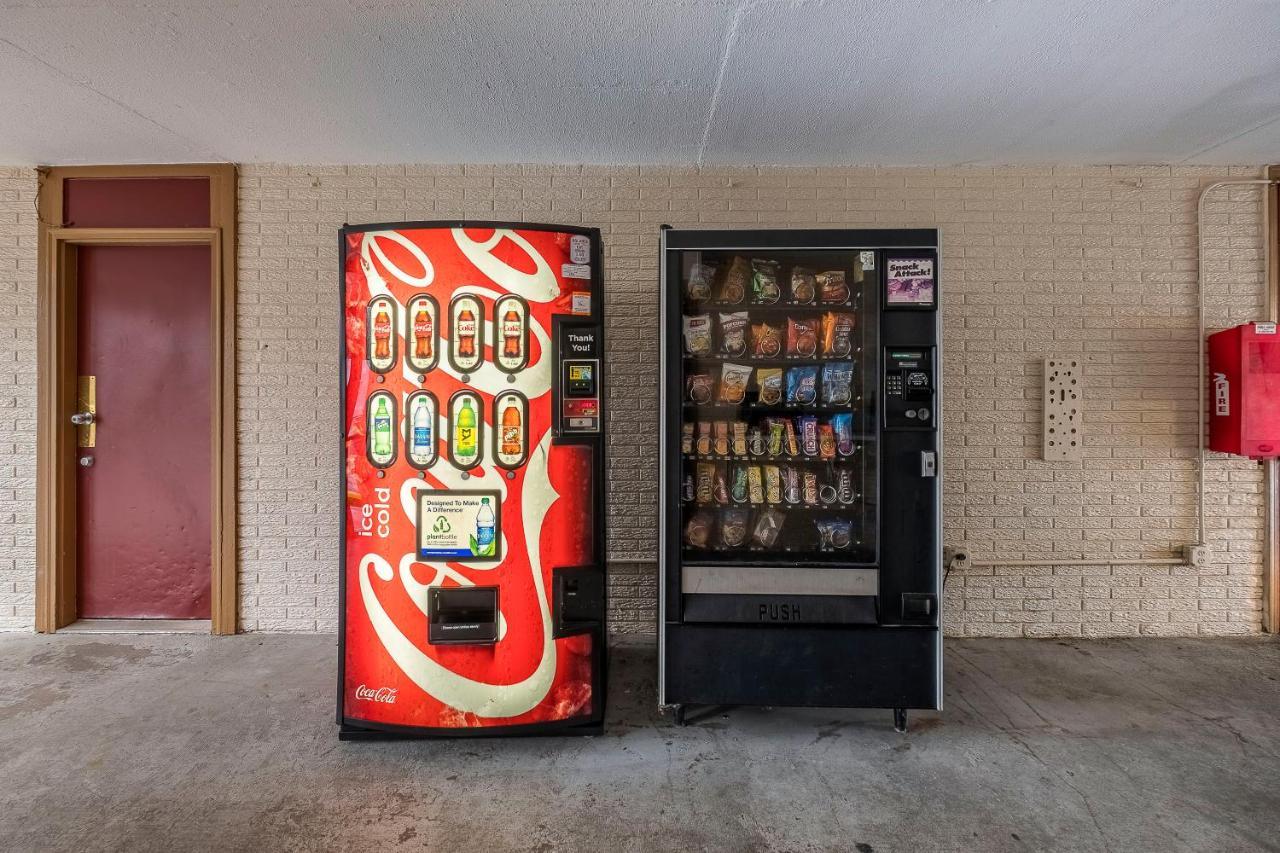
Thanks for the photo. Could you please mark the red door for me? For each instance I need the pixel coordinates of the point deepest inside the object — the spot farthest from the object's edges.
(143, 514)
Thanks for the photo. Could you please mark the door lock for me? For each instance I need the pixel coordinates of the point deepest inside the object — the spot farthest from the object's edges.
(928, 463)
(86, 461)
(82, 418)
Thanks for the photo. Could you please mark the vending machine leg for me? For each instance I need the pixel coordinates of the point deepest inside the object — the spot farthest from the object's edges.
(678, 713)
(900, 720)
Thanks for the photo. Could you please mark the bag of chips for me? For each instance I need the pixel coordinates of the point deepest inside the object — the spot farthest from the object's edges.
(699, 387)
(733, 289)
(842, 426)
(698, 287)
(734, 379)
(697, 531)
(733, 527)
(697, 334)
(804, 286)
(802, 384)
(733, 333)
(766, 340)
(764, 281)
(834, 533)
(771, 386)
(738, 487)
(837, 383)
(802, 337)
(832, 287)
(837, 334)
(768, 526)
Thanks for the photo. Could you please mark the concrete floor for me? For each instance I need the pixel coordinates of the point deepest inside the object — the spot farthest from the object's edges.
(195, 743)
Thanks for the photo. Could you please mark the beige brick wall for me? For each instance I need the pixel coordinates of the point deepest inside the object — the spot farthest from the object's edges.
(1095, 263)
(17, 398)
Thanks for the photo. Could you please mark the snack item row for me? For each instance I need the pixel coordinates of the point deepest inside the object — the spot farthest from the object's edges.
(800, 436)
(802, 336)
(725, 483)
(763, 282)
(831, 384)
(738, 527)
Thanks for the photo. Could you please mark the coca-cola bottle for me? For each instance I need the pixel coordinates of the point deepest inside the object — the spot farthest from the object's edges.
(466, 332)
(382, 334)
(422, 333)
(511, 334)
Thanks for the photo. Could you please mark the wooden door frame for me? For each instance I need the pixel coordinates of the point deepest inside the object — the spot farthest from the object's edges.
(56, 371)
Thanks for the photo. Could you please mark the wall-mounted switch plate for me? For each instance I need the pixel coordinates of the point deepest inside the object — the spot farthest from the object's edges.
(1063, 405)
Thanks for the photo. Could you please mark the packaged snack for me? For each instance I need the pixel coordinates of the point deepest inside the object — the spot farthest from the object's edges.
(837, 383)
(734, 379)
(706, 482)
(808, 435)
(687, 490)
(772, 484)
(811, 488)
(802, 384)
(766, 340)
(826, 441)
(697, 531)
(791, 485)
(804, 286)
(733, 288)
(764, 281)
(699, 387)
(777, 435)
(837, 334)
(739, 438)
(686, 438)
(697, 334)
(733, 527)
(802, 337)
(738, 486)
(770, 381)
(835, 533)
(768, 526)
(703, 443)
(832, 287)
(698, 287)
(756, 441)
(720, 489)
(755, 484)
(844, 486)
(793, 444)
(733, 333)
(842, 426)
(721, 442)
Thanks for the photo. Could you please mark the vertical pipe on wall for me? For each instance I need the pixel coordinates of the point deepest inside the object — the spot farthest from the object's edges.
(1271, 502)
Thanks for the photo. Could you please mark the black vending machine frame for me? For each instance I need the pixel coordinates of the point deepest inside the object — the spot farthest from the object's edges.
(593, 723)
(871, 651)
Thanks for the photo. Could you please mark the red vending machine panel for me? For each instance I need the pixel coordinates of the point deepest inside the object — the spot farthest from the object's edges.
(471, 590)
(1244, 391)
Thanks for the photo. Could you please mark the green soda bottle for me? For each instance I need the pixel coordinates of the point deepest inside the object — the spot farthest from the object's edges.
(381, 430)
(465, 434)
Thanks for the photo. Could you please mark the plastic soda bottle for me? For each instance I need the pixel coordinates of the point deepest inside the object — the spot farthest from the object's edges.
(422, 432)
(422, 332)
(510, 444)
(381, 429)
(466, 331)
(484, 528)
(382, 334)
(464, 439)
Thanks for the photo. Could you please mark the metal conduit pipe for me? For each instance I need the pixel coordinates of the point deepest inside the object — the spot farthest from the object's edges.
(1194, 555)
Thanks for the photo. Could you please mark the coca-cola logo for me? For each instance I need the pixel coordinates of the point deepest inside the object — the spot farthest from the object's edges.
(385, 695)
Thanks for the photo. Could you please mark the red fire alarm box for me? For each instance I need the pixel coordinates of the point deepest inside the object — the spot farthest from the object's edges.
(1244, 391)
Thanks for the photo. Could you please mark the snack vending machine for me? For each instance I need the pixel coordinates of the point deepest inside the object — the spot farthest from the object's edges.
(472, 595)
(800, 545)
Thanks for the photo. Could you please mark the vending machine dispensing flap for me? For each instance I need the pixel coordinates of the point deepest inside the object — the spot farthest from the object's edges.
(577, 599)
(462, 615)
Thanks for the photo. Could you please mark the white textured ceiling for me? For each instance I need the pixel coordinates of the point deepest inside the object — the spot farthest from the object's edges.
(663, 81)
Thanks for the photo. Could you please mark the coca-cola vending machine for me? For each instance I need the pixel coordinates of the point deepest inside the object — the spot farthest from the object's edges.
(472, 594)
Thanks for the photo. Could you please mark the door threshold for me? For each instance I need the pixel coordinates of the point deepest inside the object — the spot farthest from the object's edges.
(139, 626)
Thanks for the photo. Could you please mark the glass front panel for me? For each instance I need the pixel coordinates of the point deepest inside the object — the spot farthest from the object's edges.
(778, 448)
